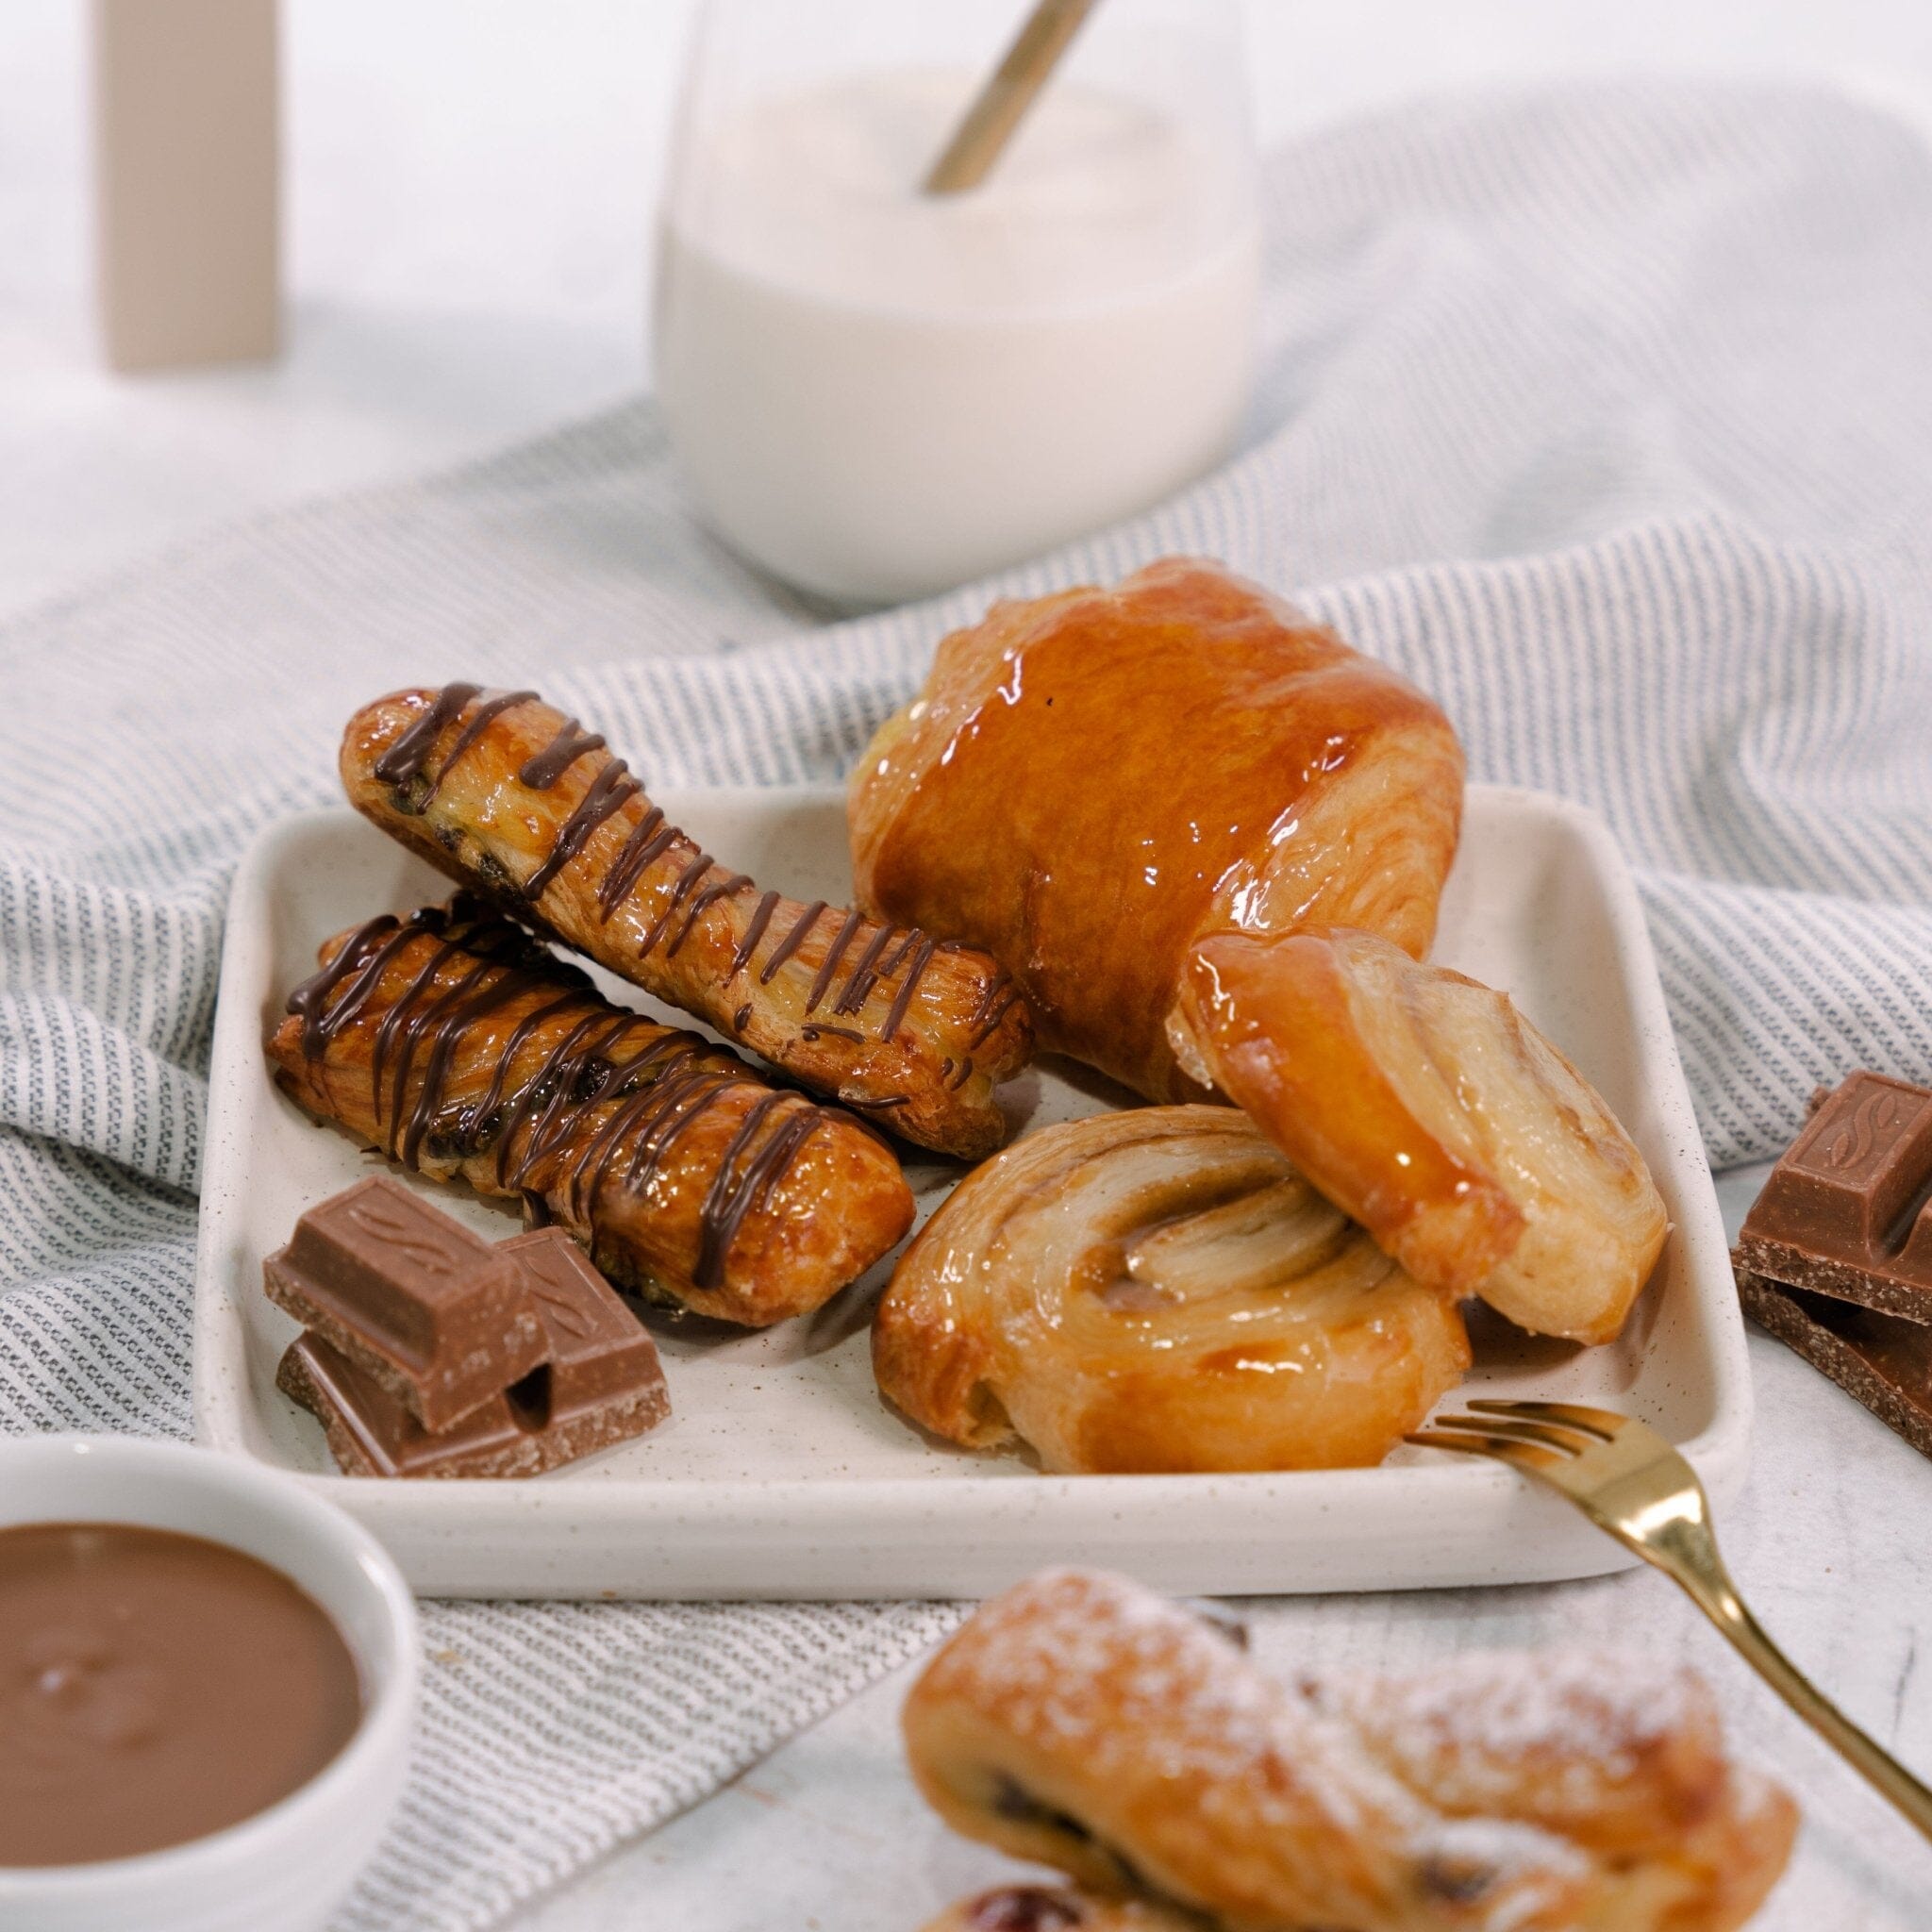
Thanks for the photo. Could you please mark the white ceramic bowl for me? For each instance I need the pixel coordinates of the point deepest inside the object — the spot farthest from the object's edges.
(286, 1867)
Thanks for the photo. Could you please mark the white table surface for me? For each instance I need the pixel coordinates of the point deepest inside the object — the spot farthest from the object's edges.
(469, 191)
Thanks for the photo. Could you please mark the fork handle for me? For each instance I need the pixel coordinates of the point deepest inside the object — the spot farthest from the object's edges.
(1718, 1598)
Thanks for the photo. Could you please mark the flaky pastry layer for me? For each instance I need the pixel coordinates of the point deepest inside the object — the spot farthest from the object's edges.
(1157, 1290)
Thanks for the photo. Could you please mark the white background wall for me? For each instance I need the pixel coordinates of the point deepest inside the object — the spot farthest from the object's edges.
(469, 189)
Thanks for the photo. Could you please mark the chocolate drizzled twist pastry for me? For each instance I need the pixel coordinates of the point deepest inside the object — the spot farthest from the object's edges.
(457, 1045)
(1082, 1722)
(520, 803)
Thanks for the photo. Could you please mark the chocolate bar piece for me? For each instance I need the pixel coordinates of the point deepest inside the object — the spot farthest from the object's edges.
(603, 1385)
(436, 1317)
(1882, 1361)
(1848, 1211)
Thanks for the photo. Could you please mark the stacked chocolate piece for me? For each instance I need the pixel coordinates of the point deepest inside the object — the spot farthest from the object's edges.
(1835, 1258)
(430, 1351)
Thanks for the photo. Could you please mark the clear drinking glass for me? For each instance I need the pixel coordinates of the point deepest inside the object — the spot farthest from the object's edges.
(877, 393)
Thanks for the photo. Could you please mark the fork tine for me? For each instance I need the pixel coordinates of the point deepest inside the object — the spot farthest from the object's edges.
(1571, 1442)
(1523, 1455)
(1601, 1423)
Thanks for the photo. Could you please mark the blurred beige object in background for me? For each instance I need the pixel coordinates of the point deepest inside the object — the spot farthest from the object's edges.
(186, 182)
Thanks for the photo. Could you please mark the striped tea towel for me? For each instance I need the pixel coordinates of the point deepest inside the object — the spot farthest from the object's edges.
(1604, 413)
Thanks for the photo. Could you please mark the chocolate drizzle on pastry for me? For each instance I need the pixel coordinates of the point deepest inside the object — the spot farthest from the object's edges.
(571, 743)
(606, 792)
(477, 966)
(402, 764)
(552, 829)
(650, 839)
(653, 837)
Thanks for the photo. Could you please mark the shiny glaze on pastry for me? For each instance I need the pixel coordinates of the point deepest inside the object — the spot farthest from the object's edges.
(455, 1044)
(1089, 781)
(1159, 1289)
(1082, 1722)
(1429, 1109)
(522, 803)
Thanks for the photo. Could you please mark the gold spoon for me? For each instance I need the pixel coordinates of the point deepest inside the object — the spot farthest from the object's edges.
(1000, 106)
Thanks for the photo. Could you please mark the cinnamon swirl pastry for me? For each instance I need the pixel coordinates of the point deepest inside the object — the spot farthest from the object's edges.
(1081, 1722)
(1159, 1289)
(1091, 781)
(1428, 1108)
(520, 803)
(457, 1045)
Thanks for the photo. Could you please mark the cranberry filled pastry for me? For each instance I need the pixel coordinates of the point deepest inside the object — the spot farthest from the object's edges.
(1057, 1908)
(1428, 1108)
(1159, 1290)
(1084, 1722)
(1089, 782)
(522, 805)
(457, 1045)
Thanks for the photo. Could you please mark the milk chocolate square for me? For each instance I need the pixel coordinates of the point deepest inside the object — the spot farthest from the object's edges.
(603, 1385)
(1848, 1211)
(437, 1318)
(1883, 1363)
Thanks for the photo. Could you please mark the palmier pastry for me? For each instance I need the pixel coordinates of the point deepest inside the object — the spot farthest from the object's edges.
(1091, 781)
(518, 802)
(1159, 1289)
(1082, 1722)
(1426, 1105)
(453, 1042)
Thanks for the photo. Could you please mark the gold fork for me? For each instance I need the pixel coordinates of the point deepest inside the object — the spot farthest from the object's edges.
(1634, 1486)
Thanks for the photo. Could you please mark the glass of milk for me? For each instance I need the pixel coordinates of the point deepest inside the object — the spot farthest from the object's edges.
(877, 393)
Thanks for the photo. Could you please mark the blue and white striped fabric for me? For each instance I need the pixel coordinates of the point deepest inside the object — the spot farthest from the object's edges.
(1605, 414)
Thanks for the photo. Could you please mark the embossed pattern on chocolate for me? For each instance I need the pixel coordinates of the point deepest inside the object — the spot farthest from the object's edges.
(602, 1384)
(1848, 1211)
(433, 1315)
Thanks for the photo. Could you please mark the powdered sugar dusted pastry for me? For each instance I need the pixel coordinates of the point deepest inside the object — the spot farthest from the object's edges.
(521, 803)
(1091, 781)
(457, 1045)
(1428, 1108)
(1613, 1750)
(1057, 1908)
(1084, 1722)
(1159, 1289)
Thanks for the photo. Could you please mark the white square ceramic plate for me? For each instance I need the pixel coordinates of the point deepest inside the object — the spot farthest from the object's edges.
(780, 1472)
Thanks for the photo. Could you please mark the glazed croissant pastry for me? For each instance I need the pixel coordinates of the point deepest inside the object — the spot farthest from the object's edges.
(1159, 1289)
(1084, 1722)
(1091, 781)
(453, 1042)
(521, 803)
(1428, 1108)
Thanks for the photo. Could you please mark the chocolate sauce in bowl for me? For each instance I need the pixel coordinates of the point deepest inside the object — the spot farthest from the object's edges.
(154, 1688)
